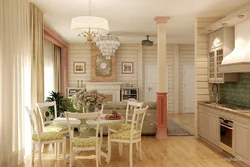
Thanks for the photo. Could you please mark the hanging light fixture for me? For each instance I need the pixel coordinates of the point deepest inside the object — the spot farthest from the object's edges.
(90, 26)
(108, 45)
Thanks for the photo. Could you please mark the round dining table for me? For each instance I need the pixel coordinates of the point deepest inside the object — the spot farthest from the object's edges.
(74, 122)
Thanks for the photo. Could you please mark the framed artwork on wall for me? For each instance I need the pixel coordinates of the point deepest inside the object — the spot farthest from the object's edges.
(79, 67)
(127, 67)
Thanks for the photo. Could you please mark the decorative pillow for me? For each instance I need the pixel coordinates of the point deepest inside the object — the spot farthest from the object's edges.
(115, 105)
(150, 104)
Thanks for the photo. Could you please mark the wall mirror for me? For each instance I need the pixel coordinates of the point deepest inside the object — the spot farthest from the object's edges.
(102, 66)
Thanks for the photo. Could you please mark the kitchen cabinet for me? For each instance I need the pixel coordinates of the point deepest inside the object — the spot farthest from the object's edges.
(213, 129)
(203, 124)
(221, 43)
(242, 141)
(129, 93)
(209, 126)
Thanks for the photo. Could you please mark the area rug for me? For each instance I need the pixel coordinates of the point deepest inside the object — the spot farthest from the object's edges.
(175, 130)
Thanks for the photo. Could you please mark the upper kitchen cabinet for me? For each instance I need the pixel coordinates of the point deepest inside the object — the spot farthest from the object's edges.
(221, 43)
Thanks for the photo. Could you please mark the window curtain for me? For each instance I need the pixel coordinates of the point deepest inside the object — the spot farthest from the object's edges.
(37, 60)
(49, 81)
(57, 65)
(15, 81)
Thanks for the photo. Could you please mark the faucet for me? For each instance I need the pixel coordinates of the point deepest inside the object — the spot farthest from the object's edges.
(217, 93)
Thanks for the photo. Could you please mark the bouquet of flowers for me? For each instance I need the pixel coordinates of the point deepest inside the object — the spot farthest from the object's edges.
(85, 99)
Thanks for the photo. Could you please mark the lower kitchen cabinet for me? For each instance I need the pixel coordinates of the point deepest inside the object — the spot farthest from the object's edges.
(242, 141)
(213, 130)
(203, 124)
(209, 127)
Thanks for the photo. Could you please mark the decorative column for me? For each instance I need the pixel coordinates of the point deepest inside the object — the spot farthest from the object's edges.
(162, 92)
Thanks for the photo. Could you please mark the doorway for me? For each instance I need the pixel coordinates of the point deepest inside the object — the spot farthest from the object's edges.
(151, 82)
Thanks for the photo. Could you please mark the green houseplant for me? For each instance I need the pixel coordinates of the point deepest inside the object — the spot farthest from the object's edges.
(60, 102)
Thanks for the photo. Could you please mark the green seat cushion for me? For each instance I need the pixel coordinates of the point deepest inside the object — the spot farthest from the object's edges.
(48, 136)
(124, 135)
(55, 128)
(86, 142)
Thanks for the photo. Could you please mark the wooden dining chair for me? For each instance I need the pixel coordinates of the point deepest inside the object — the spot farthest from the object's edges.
(131, 136)
(87, 143)
(131, 105)
(39, 137)
(48, 126)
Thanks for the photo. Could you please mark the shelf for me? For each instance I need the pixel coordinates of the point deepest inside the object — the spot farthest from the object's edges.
(129, 93)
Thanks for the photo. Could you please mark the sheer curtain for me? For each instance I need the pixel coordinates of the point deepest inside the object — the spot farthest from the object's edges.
(15, 81)
(57, 65)
(49, 69)
(52, 63)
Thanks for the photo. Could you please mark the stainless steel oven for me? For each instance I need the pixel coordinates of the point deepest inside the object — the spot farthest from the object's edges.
(226, 135)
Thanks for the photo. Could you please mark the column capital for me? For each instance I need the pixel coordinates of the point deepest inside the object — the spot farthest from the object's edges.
(161, 19)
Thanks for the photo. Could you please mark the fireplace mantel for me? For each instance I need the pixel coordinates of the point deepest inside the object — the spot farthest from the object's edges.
(107, 88)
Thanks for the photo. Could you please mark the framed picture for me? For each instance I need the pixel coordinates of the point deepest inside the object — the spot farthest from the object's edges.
(79, 67)
(127, 68)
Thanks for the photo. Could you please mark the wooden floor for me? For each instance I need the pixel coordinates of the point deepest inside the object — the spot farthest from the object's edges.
(185, 121)
(176, 151)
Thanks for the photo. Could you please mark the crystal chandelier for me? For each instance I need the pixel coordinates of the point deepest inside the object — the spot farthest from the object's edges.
(90, 26)
(108, 45)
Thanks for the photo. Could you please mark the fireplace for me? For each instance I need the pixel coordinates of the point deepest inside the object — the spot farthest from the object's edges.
(109, 89)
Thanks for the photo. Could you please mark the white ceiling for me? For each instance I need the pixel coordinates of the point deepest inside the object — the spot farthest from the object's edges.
(132, 20)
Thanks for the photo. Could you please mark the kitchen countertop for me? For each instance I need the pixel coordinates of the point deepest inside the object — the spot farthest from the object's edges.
(240, 112)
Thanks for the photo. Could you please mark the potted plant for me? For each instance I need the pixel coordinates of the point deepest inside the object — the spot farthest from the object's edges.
(60, 102)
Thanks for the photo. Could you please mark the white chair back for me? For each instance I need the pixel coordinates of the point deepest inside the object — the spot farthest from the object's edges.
(131, 106)
(41, 108)
(35, 121)
(82, 116)
(137, 121)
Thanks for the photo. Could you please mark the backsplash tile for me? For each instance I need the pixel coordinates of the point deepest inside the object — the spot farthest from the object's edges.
(237, 93)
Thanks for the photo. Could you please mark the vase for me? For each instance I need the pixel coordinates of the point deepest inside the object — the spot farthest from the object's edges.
(91, 108)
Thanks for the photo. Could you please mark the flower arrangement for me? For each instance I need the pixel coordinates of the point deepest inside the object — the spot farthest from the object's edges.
(85, 99)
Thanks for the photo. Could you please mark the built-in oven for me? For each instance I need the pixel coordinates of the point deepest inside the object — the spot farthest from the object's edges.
(226, 135)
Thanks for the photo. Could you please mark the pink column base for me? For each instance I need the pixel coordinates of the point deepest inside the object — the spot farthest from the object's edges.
(161, 115)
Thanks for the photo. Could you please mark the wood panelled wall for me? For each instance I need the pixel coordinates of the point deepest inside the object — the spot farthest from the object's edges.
(78, 53)
(127, 53)
(186, 58)
(150, 59)
(201, 65)
(140, 56)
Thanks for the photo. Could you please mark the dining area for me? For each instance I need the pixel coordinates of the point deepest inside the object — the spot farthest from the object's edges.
(80, 138)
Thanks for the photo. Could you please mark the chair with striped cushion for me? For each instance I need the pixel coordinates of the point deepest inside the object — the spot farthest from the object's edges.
(86, 143)
(131, 105)
(39, 137)
(131, 136)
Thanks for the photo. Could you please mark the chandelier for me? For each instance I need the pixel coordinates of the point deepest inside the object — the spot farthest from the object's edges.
(108, 45)
(90, 26)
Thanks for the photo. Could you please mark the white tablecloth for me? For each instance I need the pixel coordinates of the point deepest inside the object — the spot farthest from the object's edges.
(76, 122)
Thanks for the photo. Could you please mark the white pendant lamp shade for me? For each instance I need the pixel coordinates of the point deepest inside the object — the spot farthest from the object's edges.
(108, 45)
(90, 26)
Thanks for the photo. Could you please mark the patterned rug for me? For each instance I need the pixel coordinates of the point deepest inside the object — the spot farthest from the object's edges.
(175, 130)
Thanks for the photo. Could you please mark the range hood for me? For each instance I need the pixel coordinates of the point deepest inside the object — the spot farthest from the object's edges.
(239, 59)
